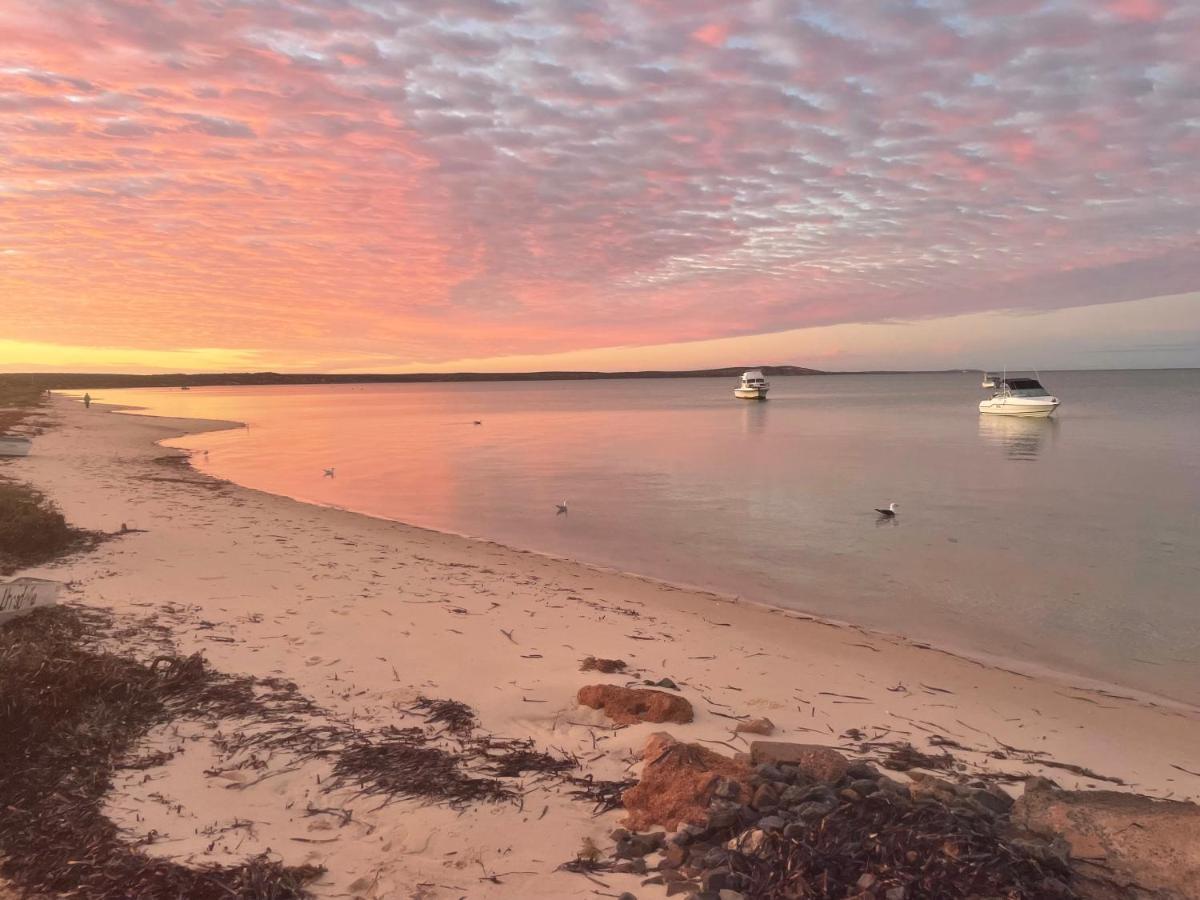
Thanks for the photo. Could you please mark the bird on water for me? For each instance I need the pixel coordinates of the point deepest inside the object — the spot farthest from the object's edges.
(889, 513)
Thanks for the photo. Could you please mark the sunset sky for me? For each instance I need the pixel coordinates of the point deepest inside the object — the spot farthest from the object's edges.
(345, 185)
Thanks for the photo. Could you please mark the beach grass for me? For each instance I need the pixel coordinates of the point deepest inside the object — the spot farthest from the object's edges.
(32, 529)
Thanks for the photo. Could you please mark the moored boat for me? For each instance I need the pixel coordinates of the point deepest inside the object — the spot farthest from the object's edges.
(14, 445)
(753, 386)
(1020, 397)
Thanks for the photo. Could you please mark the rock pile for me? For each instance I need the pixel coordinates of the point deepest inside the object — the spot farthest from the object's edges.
(806, 822)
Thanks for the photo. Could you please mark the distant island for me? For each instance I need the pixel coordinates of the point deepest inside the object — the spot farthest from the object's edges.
(88, 381)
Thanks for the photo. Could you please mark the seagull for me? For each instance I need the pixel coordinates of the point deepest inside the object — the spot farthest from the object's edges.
(561, 507)
(329, 472)
(889, 513)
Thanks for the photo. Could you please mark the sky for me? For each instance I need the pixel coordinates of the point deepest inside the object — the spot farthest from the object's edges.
(364, 185)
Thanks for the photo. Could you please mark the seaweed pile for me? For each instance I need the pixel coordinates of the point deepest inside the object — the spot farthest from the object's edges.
(69, 712)
(784, 834)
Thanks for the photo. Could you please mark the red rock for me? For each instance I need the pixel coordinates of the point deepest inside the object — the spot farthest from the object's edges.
(763, 726)
(677, 783)
(1144, 847)
(817, 762)
(628, 706)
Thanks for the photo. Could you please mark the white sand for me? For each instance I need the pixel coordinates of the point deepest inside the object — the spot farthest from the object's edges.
(365, 615)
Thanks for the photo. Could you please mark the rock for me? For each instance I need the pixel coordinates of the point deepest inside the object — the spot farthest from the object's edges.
(1160, 856)
(664, 683)
(631, 867)
(995, 801)
(815, 810)
(717, 879)
(866, 881)
(677, 784)
(812, 760)
(896, 893)
(850, 795)
(726, 894)
(864, 787)
(628, 706)
(636, 845)
(727, 790)
(756, 726)
(674, 857)
(771, 823)
(627, 896)
(928, 786)
(766, 797)
(793, 795)
(724, 814)
(598, 664)
(715, 857)
(860, 768)
(795, 831)
(748, 842)
(768, 772)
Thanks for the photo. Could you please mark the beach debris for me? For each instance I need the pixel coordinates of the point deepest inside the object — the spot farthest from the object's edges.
(23, 595)
(665, 683)
(763, 726)
(603, 795)
(330, 472)
(627, 706)
(599, 664)
(455, 716)
(561, 508)
(1120, 844)
(401, 765)
(776, 834)
(813, 761)
(70, 712)
(678, 781)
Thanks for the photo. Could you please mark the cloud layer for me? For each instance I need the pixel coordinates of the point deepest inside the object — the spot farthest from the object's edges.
(331, 177)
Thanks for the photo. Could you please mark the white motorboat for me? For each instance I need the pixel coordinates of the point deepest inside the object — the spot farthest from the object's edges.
(753, 386)
(1020, 397)
(14, 445)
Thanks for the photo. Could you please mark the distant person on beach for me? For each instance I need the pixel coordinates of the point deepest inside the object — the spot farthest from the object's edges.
(87, 401)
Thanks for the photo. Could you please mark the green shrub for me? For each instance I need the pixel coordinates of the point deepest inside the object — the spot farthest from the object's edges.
(32, 530)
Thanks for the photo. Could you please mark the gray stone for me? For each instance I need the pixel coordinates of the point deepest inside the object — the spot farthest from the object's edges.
(864, 786)
(727, 789)
(724, 814)
(813, 760)
(771, 823)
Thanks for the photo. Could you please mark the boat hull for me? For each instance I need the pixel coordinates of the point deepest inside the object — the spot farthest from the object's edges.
(751, 393)
(14, 446)
(1028, 408)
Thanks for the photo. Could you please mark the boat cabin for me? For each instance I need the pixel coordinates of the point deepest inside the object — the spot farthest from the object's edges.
(1024, 387)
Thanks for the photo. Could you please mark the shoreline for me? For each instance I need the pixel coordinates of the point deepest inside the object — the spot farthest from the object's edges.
(1014, 665)
(364, 614)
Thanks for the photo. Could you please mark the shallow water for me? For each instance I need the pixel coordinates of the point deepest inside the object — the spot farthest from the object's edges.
(1071, 543)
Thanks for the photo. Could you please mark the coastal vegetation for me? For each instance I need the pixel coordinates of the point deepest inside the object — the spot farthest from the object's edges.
(32, 529)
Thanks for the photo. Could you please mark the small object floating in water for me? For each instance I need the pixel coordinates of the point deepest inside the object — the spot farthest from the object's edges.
(889, 513)
(753, 386)
(988, 381)
(478, 422)
(561, 507)
(329, 472)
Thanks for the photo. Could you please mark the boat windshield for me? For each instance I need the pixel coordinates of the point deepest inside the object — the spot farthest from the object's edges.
(1025, 387)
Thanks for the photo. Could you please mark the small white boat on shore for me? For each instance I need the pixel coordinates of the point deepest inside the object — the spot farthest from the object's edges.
(14, 445)
(753, 386)
(1020, 397)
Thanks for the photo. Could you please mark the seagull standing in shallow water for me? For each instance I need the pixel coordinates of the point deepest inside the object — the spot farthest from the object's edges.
(561, 507)
(329, 472)
(889, 513)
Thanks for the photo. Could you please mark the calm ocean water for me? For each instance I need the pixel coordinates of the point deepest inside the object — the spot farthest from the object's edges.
(1071, 543)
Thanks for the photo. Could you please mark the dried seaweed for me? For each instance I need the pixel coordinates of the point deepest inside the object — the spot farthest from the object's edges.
(69, 711)
(513, 758)
(603, 795)
(931, 850)
(456, 717)
(401, 765)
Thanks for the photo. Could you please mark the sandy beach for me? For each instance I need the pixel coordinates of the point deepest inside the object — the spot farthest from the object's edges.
(367, 615)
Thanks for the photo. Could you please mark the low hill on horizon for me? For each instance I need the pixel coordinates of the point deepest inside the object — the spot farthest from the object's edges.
(86, 380)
